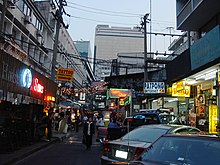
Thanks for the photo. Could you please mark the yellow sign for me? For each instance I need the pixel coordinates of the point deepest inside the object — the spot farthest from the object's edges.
(121, 102)
(180, 85)
(65, 74)
(213, 118)
(219, 78)
(180, 93)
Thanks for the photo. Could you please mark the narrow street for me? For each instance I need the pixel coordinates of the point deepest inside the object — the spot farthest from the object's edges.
(69, 152)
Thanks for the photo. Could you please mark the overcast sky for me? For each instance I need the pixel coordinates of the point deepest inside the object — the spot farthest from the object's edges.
(86, 14)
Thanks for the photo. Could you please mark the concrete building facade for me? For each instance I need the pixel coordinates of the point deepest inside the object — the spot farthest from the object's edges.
(109, 41)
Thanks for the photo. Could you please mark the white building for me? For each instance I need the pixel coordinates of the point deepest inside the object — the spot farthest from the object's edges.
(109, 41)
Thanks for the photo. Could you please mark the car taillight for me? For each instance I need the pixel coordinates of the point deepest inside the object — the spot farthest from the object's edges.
(106, 147)
(138, 152)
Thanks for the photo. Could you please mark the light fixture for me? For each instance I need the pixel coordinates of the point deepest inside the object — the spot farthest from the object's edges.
(191, 82)
(172, 100)
(202, 75)
(209, 77)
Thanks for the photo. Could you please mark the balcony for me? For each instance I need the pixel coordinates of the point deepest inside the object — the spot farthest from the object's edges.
(193, 14)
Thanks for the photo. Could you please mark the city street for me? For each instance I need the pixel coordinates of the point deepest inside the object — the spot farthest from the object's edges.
(69, 152)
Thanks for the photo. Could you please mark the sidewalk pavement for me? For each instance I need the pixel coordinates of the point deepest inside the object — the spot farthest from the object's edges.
(12, 157)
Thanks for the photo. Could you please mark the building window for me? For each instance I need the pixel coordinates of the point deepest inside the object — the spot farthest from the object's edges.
(5, 71)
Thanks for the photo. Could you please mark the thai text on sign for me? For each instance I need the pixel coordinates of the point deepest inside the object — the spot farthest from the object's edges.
(64, 74)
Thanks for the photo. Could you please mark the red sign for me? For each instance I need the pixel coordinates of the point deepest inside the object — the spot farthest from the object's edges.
(37, 86)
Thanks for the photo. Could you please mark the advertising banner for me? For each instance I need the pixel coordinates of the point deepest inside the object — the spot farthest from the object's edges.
(65, 74)
(154, 87)
(180, 93)
(117, 93)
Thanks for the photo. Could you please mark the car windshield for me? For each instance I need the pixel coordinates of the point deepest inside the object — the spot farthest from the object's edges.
(187, 151)
(144, 134)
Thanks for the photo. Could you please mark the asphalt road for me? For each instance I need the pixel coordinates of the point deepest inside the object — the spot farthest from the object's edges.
(69, 152)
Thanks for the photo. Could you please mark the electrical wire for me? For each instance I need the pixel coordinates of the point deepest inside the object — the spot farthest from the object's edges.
(95, 12)
(101, 21)
(107, 11)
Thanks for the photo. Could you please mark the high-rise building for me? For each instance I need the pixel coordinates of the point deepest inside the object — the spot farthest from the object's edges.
(84, 49)
(109, 41)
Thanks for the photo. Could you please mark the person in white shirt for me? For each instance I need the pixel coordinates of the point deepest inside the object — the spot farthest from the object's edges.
(100, 123)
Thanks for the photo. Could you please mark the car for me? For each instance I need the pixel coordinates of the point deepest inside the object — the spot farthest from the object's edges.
(179, 149)
(134, 143)
(182, 150)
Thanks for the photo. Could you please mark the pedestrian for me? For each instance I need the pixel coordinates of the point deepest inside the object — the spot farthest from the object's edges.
(77, 123)
(62, 124)
(183, 119)
(88, 132)
(99, 123)
(113, 123)
(50, 123)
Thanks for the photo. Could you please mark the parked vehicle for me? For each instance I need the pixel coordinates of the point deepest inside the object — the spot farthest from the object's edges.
(134, 143)
(129, 124)
(181, 150)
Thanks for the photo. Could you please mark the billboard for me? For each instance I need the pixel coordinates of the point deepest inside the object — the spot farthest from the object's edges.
(65, 74)
(119, 93)
(154, 87)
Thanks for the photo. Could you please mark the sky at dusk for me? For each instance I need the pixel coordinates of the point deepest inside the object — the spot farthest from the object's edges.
(85, 15)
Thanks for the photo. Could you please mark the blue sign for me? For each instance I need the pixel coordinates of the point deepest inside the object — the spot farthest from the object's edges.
(154, 87)
(27, 78)
(205, 50)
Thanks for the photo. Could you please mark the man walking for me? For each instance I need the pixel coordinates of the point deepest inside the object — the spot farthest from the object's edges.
(88, 131)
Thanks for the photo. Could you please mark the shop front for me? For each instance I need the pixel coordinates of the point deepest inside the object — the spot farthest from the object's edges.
(24, 94)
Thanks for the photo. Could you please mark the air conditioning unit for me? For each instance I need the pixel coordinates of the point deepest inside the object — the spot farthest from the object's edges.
(11, 4)
(39, 33)
(27, 19)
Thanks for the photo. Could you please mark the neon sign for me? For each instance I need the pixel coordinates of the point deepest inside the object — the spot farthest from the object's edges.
(27, 78)
(117, 93)
(38, 87)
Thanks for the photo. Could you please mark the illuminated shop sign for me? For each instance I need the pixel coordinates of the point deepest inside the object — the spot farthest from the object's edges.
(154, 87)
(37, 87)
(180, 93)
(49, 98)
(64, 74)
(117, 93)
(27, 78)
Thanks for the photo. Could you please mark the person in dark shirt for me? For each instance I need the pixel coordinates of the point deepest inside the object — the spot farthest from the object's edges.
(88, 132)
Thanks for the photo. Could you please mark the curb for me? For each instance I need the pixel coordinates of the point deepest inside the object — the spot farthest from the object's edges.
(25, 154)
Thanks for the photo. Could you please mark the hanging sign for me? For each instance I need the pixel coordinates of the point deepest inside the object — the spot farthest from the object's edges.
(64, 74)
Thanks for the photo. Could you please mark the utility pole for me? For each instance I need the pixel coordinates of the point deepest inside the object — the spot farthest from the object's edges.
(4, 8)
(144, 23)
(59, 19)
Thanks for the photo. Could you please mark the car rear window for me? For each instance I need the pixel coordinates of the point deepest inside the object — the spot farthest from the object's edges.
(148, 118)
(144, 134)
(184, 151)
